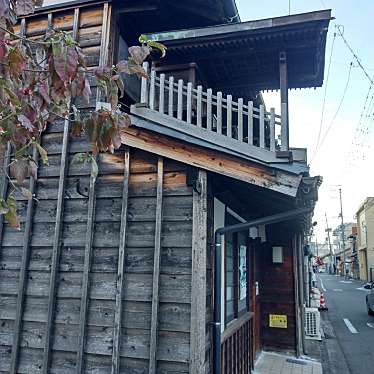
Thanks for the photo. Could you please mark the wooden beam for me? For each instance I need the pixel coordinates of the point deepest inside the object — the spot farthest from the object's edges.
(121, 268)
(214, 161)
(56, 251)
(91, 200)
(156, 270)
(198, 278)
(283, 84)
(22, 276)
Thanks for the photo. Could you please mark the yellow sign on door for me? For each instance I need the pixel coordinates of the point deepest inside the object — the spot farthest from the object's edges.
(278, 320)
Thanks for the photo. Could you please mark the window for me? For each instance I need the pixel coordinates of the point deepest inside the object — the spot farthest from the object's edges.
(236, 272)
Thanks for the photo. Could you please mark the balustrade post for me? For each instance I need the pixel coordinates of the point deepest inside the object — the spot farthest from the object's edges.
(171, 96)
(272, 129)
(144, 86)
(199, 105)
(219, 112)
(229, 116)
(189, 102)
(152, 90)
(180, 99)
(250, 122)
(240, 120)
(161, 103)
(262, 126)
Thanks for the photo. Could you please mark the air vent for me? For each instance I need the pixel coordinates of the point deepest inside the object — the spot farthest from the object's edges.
(312, 323)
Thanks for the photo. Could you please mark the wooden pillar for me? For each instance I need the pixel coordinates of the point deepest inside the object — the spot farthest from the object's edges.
(156, 270)
(121, 269)
(198, 280)
(283, 79)
(22, 284)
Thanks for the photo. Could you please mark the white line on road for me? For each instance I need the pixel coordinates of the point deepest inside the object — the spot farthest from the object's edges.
(370, 325)
(337, 290)
(346, 282)
(323, 286)
(350, 326)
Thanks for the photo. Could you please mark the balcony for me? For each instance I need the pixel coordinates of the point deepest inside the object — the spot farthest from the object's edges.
(233, 126)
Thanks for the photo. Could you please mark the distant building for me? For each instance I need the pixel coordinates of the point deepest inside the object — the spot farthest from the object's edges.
(345, 247)
(365, 238)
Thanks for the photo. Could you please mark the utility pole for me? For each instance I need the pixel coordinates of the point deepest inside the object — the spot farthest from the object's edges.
(329, 241)
(342, 228)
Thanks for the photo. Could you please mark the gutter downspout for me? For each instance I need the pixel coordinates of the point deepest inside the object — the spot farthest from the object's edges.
(276, 218)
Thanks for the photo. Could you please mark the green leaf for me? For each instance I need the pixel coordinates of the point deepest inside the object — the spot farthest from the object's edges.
(4, 209)
(11, 216)
(43, 153)
(79, 158)
(157, 45)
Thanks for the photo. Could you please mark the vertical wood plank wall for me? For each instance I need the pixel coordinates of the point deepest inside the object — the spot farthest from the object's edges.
(86, 268)
(277, 289)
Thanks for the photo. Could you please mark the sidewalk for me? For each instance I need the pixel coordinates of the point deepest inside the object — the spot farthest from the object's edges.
(274, 363)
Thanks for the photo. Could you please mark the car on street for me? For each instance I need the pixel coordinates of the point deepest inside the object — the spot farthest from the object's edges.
(370, 298)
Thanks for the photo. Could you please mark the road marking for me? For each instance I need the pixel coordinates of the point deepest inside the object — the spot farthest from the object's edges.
(323, 286)
(337, 290)
(350, 326)
(346, 282)
(370, 325)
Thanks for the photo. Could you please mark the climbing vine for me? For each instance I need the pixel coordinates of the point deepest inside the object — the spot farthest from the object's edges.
(39, 80)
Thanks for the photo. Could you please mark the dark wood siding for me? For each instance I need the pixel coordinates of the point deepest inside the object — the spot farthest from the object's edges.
(175, 270)
(174, 309)
(277, 290)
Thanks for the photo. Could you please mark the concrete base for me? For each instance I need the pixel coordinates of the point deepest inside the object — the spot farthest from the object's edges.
(274, 363)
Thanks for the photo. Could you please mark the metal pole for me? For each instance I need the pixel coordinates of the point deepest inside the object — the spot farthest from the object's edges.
(342, 228)
(329, 241)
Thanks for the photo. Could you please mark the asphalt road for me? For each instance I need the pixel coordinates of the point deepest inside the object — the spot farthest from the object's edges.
(353, 327)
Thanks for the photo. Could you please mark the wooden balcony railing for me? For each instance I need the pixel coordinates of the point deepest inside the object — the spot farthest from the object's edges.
(227, 121)
(237, 346)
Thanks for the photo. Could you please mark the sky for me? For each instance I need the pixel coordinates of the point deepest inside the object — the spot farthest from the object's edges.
(346, 158)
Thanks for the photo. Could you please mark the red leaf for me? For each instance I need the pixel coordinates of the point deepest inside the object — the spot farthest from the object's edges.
(19, 169)
(130, 68)
(33, 169)
(25, 122)
(66, 63)
(44, 91)
(139, 54)
(86, 93)
(17, 61)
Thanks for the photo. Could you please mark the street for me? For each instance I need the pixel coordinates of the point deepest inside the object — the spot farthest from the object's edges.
(354, 328)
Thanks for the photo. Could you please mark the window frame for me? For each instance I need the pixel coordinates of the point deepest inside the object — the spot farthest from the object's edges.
(237, 313)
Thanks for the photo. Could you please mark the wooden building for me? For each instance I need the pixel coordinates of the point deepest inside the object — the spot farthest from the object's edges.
(119, 275)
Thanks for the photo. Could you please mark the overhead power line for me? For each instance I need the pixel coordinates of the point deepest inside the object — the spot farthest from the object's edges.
(340, 29)
(324, 97)
(336, 113)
